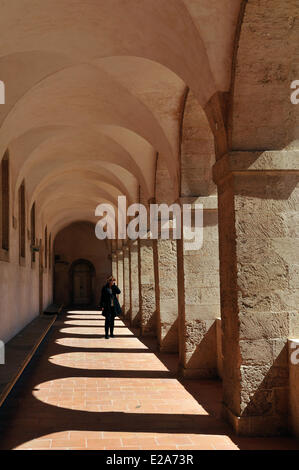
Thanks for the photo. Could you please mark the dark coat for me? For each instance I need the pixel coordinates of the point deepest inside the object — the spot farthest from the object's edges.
(105, 302)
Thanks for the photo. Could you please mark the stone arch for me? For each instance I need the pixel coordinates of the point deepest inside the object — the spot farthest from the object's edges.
(197, 151)
(68, 145)
(263, 72)
(92, 110)
(75, 243)
(180, 35)
(110, 179)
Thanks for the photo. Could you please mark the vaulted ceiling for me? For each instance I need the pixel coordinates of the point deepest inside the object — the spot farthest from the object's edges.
(95, 90)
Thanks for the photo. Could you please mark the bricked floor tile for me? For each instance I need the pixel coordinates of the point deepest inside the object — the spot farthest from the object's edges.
(82, 391)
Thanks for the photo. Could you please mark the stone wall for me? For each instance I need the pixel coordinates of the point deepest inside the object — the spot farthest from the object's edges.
(219, 341)
(199, 300)
(120, 276)
(258, 194)
(127, 285)
(134, 282)
(166, 294)
(147, 290)
(19, 285)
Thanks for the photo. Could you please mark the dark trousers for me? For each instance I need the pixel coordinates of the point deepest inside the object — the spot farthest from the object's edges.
(109, 324)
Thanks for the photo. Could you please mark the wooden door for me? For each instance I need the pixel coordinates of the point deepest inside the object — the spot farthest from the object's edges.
(82, 284)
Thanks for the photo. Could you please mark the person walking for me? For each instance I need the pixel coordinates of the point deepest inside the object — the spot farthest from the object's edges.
(110, 305)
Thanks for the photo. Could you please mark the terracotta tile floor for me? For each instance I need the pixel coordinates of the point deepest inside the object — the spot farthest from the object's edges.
(85, 392)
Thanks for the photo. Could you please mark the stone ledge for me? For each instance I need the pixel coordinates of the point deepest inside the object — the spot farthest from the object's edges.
(19, 351)
(53, 309)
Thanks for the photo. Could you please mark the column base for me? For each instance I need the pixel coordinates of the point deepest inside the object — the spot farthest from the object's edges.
(168, 349)
(256, 426)
(126, 322)
(136, 331)
(144, 332)
(200, 373)
(127, 318)
(135, 322)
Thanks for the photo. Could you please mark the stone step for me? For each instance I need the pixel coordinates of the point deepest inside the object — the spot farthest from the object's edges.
(19, 351)
(53, 309)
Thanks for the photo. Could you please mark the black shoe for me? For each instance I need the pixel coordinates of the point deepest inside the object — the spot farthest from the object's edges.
(112, 336)
(106, 336)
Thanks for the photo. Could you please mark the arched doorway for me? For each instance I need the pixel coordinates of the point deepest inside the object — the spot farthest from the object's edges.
(82, 273)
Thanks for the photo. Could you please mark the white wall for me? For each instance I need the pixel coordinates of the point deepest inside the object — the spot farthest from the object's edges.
(19, 289)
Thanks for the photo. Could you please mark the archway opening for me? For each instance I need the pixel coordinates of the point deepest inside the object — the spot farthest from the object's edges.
(82, 263)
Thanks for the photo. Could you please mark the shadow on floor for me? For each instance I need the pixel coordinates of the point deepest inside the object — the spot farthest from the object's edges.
(23, 417)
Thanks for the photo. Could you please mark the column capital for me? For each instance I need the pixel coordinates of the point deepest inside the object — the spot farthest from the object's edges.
(256, 163)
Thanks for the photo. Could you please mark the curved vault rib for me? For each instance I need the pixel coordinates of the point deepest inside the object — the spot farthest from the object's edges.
(142, 77)
(89, 97)
(65, 191)
(72, 204)
(69, 215)
(78, 189)
(169, 34)
(95, 173)
(77, 145)
(24, 70)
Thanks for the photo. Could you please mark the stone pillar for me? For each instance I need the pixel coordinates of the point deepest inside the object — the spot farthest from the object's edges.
(134, 282)
(165, 252)
(147, 294)
(199, 297)
(258, 204)
(126, 282)
(120, 271)
(114, 264)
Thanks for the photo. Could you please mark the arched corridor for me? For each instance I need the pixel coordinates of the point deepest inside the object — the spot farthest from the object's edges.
(150, 107)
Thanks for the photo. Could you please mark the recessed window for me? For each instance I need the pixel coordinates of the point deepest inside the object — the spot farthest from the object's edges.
(5, 202)
(22, 221)
(32, 231)
(50, 251)
(46, 247)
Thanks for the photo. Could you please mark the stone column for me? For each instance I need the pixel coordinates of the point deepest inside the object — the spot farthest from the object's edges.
(134, 282)
(258, 204)
(120, 271)
(126, 282)
(114, 264)
(147, 294)
(199, 296)
(165, 252)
